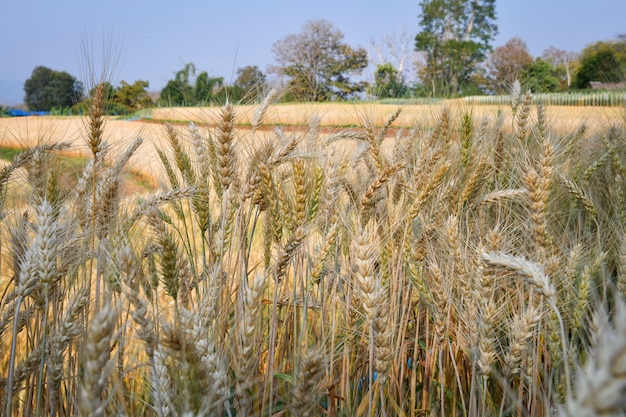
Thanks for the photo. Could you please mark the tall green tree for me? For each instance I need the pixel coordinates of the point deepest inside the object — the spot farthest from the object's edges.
(251, 82)
(540, 77)
(206, 88)
(47, 88)
(456, 35)
(189, 89)
(179, 91)
(602, 61)
(133, 96)
(387, 82)
(318, 64)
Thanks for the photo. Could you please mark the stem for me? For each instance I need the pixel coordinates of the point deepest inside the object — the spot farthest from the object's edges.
(371, 372)
(441, 380)
(12, 358)
(564, 345)
(43, 353)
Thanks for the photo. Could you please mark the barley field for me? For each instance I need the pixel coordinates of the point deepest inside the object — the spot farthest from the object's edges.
(453, 261)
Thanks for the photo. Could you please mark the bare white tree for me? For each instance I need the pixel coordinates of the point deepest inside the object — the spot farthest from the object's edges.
(560, 58)
(397, 49)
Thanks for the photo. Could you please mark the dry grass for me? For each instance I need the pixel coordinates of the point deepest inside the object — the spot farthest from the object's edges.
(448, 268)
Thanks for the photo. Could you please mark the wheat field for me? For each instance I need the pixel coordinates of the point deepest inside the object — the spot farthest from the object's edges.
(467, 262)
(412, 115)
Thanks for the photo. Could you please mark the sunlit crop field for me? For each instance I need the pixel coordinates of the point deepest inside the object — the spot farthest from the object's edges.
(332, 259)
(349, 114)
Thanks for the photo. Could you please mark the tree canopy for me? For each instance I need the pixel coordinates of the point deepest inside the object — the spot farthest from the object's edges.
(318, 64)
(189, 89)
(602, 61)
(506, 65)
(179, 91)
(563, 63)
(540, 77)
(250, 83)
(454, 40)
(388, 82)
(47, 89)
(133, 96)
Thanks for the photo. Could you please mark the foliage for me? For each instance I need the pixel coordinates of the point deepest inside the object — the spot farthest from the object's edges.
(47, 88)
(318, 64)
(179, 91)
(133, 96)
(124, 99)
(248, 86)
(603, 62)
(455, 37)
(206, 88)
(187, 89)
(564, 63)
(506, 64)
(251, 83)
(540, 77)
(110, 108)
(388, 83)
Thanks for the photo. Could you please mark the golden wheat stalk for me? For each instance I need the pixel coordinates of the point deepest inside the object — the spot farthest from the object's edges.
(245, 354)
(226, 161)
(261, 110)
(600, 386)
(97, 355)
(580, 196)
(522, 330)
(382, 179)
(531, 271)
(535, 275)
(306, 389)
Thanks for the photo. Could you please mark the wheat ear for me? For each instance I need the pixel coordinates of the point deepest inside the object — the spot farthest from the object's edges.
(375, 301)
(535, 275)
(580, 196)
(97, 351)
(294, 242)
(306, 391)
(245, 354)
(531, 271)
(261, 110)
(600, 386)
(522, 117)
(96, 121)
(522, 330)
(161, 385)
(226, 162)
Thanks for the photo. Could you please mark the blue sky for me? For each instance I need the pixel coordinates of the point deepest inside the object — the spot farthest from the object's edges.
(154, 39)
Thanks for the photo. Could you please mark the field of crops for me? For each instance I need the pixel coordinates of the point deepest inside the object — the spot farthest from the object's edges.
(357, 114)
(444, 260)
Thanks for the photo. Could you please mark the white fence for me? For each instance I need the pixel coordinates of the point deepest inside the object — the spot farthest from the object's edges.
(610, 98)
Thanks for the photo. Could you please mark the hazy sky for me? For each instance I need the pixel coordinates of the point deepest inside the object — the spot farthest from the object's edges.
(154, 39)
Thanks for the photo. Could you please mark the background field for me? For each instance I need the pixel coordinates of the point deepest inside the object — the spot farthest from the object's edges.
(29, 131)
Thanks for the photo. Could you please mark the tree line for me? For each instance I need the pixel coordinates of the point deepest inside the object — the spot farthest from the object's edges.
(455, 58)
